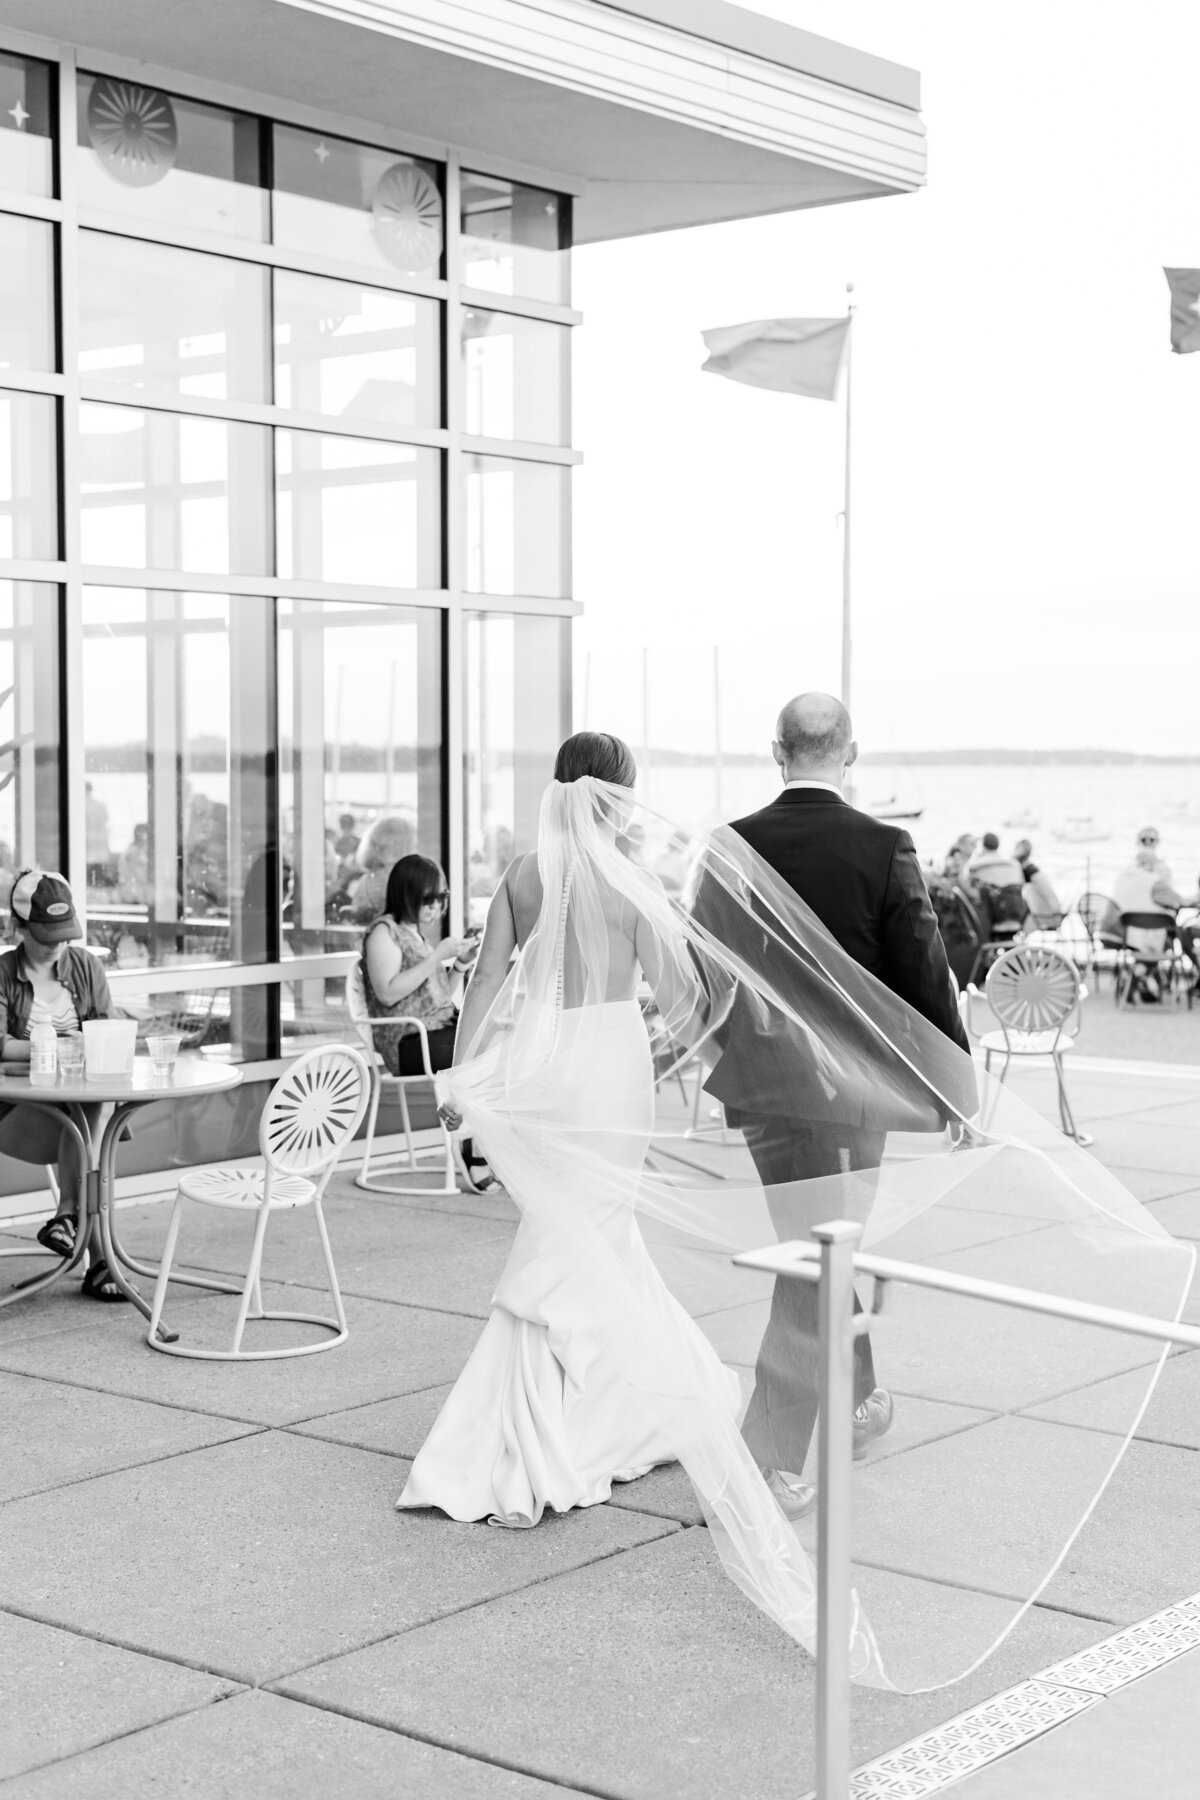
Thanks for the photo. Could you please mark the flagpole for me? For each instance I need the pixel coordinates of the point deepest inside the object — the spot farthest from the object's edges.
(846, 635)
(846, 641)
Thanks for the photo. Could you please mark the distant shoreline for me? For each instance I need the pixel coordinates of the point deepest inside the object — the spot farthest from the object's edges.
(741, 759)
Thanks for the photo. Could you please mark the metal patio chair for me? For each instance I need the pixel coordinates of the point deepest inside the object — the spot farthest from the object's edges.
(312, 1110)
(1035, 994)
(1137, 961)
(401, 1180)
(1099, 916)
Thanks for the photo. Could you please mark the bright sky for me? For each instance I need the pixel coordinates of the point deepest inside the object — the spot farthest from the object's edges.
(1027, 516)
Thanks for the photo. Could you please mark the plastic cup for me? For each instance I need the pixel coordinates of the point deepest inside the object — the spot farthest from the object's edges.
(108, 1047)
(70, 1058)
(164, 1048)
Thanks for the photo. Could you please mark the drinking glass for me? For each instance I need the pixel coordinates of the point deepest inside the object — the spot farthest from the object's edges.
(164, 1048)
(70, 1057)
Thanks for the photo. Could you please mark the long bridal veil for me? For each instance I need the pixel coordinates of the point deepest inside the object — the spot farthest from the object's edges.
(1003, 1439)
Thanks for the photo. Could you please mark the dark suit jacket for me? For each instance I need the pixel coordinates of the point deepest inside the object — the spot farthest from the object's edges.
(862, 880)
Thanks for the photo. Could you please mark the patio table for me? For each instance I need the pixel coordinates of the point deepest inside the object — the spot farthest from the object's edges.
(95, 1110)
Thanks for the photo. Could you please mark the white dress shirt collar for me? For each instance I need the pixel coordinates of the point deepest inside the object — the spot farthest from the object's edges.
(827, 785)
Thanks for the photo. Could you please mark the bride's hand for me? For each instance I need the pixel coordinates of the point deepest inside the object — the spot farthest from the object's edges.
(450, 1119)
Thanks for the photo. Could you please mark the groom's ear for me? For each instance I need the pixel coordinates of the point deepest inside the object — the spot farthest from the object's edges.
(779, 753)
(852, 753)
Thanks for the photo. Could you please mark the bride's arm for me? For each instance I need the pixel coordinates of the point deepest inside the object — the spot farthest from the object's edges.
(491, 966)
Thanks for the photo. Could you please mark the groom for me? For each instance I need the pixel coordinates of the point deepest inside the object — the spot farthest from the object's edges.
(862, 880)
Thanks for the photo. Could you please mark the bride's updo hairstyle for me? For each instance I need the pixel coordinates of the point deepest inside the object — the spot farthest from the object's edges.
(598, 754)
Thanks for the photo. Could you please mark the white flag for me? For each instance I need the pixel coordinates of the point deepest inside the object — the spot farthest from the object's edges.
(791, 356)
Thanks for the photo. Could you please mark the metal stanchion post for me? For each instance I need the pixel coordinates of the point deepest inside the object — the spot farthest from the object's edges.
(836, 1433)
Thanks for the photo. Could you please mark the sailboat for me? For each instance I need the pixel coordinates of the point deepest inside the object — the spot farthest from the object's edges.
(887, 809)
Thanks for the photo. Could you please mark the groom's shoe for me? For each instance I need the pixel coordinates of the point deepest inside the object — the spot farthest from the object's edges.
(795, 1497)
(871, 1420)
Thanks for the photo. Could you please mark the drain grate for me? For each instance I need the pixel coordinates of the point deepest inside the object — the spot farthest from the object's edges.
(931, 1762)
(1131, 1653)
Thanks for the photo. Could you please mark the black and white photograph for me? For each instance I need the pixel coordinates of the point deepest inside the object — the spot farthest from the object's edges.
(599, 900)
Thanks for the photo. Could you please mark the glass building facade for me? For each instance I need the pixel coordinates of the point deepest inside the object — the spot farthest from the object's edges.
(284, 533)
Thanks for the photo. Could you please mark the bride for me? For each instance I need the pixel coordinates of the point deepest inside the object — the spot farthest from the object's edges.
(561, 1069)
(589, 1372)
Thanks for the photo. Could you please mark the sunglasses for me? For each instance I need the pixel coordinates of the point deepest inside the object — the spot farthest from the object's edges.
(1149, 842)
(440, 901)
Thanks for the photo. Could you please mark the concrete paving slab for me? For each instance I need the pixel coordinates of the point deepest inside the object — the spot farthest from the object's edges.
(1180, 1213)
(63, 1693)
(1148, 1184)
(942, 1510)
(961, 1352)
(1172, 1417)
(54, 1434)
(257, 1557)
(1185, 1115)
(274, 1749)
(495, 1204)
(935, 1512)
(650, 1677)
(1172, 1149)
(450, 1261)
(393, 1427)
(391, 1350)
(1143, 1740)
(666, 1493)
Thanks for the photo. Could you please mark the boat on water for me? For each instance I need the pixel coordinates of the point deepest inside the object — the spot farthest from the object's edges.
(887, 809)
(1081, 829)
(1022, 821)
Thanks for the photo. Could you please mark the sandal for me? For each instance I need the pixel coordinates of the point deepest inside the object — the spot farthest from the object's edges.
(100, 1284)
(58, 1234)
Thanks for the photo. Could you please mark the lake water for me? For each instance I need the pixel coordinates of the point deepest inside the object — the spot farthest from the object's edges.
(1041, 799)
(1048, 799)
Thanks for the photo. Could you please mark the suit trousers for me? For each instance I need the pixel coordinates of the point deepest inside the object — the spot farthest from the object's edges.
(782, 1414)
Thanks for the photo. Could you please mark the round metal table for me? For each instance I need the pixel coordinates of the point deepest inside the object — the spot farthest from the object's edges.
(94, 1111)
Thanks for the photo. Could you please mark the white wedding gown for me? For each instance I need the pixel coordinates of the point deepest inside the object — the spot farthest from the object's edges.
(540, 1417)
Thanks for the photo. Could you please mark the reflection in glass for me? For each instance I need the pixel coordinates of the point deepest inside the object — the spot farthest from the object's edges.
(351, 509)
(26, 126)
(26, 293)
(29, 730)
(516, 717)
(28, 475)
(516, 376)
(156, 317)
(516, 527)
(356, 352)
(165, 491)
(179, 810)
(516, 239)
(166, 159)
(360, 728)
(356, 203)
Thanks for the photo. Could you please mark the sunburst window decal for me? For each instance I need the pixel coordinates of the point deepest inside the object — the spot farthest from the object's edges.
(407, 218)
(133, 131)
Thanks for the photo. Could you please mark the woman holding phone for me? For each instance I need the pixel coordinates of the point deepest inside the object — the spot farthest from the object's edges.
(408, 969)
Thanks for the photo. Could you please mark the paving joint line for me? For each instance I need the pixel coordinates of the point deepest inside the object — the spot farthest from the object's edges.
(116, 1643)
(146, 1462)
(455, 1612)
(436, 1743)
(118, 1737)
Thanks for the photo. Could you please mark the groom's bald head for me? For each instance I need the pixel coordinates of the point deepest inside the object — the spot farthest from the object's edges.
(814, 739)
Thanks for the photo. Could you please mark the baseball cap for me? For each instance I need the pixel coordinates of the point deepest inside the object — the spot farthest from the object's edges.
(42, 902)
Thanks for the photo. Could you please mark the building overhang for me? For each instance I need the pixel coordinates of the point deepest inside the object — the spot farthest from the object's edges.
(659, 114)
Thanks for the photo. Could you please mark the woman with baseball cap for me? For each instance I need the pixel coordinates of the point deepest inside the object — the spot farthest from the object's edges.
(47, 980)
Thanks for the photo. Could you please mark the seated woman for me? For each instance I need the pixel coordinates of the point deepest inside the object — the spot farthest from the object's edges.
(404, 968)
(45, 980)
